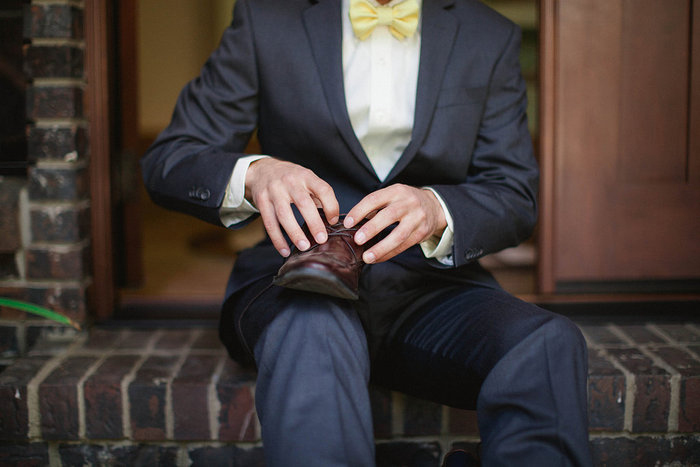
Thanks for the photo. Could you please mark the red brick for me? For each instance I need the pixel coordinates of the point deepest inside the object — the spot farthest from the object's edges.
(59, 223)
(9, 344)
(680, 333)
(55, 21)
(58, 399)
(102, 339)
(67, 144)
(10, 188)
(139, 455)
(69, 300)
(14, 413)
(689, 419)
(103, 398)
(641, 334)
(686, 364)
(58, 262)
(25, 455)
(136, 339)
(237, 421)
(15, 293)
(190, 390)
(689, 368)
(652, 399)
(208, 340)
(49, 339)
(606, 395)
(53, 61)
(8, 266)
(173, 339)
(600, 335)
(54, 184)
(646, 451)
(147, 397)
(54, 102)
(463, 422)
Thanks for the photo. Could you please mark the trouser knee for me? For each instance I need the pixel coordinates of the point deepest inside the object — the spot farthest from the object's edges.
(311, 326)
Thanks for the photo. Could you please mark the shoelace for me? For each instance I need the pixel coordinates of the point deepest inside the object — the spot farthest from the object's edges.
(347, 235)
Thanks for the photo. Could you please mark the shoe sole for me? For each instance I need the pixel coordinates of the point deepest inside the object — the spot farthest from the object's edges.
(317, 281)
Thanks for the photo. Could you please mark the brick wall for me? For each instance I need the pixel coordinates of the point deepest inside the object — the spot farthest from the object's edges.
(172, 397)
(44, 217)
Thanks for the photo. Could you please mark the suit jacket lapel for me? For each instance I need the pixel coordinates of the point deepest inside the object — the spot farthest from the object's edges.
(438, 32)
(324, 30)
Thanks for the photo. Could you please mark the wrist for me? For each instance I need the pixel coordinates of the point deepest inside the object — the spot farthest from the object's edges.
(439, 214)
(250, 178)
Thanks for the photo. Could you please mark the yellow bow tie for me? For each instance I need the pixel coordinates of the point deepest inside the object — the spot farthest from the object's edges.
(402, 19)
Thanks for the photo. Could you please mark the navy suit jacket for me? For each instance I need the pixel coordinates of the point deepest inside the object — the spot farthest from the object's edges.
(278, 70)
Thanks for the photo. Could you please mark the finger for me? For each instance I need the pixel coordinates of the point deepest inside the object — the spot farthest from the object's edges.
(313, 220)
(397, 241)
(282, 199)
(378, 222)
(323, 193)
(285, 217)
(272, 227)
(370, 203)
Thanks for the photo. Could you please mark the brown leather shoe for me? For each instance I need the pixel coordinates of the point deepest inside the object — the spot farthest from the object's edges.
(331, 268)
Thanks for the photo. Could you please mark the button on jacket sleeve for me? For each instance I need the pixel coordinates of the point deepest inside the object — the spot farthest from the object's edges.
(279, 69)
(496, 206)
(213, 119)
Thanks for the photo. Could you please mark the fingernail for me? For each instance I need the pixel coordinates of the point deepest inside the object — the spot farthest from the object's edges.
(349, 222)
(321, 237)
(368, 257)
(334, 220)
(360, 238)
(304, 245)
(284, 252)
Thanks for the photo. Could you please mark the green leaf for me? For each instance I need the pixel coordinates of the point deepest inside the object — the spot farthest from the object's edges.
(37, 310)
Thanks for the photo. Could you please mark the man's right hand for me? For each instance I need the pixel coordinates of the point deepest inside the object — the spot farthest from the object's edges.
(274, 185)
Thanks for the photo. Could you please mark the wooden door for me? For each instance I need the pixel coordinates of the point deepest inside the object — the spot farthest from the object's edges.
(99, 108)
(126, 172)
(620, 145)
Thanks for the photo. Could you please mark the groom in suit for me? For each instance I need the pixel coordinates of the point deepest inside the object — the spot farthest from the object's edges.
(409, 118)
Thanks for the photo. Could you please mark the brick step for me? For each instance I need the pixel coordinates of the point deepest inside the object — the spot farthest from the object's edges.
(173, 397)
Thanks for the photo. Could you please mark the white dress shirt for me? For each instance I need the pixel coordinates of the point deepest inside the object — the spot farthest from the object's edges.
(380, 78)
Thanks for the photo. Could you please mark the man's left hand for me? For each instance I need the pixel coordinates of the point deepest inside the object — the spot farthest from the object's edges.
(417, 212)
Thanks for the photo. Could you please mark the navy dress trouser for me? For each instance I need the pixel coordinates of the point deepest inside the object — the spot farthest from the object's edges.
(469, 346)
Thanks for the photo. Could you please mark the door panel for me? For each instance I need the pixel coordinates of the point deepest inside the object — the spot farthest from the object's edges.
(694, 133)
(653, 91)
(623, 145)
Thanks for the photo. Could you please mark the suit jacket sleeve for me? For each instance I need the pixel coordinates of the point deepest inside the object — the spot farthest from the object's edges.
(496, 207)
(189, 165)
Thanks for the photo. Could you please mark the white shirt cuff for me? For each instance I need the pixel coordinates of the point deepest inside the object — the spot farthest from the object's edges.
(441, 248)
(235, 208)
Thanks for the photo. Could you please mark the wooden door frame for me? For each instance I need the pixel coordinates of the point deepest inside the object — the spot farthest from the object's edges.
(129, 146)
(547, 90)
(550, 54)
(98, 60)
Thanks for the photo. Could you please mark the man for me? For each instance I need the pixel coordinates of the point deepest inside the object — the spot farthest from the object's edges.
(411, 121)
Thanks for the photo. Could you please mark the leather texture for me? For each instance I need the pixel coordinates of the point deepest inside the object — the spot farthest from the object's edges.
(331, 268)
